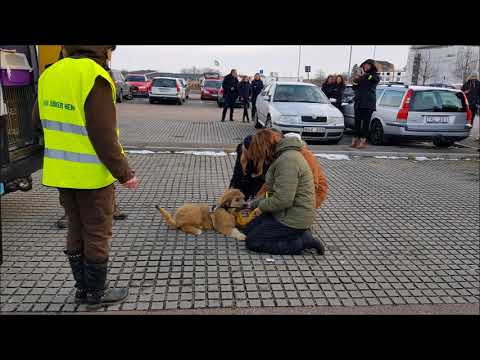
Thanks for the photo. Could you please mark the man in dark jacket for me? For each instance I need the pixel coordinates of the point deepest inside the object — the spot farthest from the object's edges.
(257, 87)
(472, 89)
(365, 86)
(230, 93)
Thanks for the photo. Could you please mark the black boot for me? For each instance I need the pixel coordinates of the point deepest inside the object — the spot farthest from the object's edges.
(231, 114)
(97, 294)
(224, 113)
(62, 222)
(309, 242)
(76, 263)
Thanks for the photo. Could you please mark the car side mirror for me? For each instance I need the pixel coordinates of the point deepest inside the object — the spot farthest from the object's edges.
(333, 100)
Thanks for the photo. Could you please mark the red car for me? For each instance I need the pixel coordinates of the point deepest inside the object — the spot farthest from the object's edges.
(210, 89)
(139, 83)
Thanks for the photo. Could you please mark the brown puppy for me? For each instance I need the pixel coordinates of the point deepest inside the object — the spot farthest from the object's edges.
(193, 218)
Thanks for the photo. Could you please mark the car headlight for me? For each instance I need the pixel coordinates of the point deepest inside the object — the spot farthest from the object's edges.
(337, 121)
(290, 119)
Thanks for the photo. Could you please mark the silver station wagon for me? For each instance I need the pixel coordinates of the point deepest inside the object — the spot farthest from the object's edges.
(418, 113)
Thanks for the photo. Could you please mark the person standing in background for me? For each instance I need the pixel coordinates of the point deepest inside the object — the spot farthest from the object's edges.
(245, 91)
(328, 86)
(364, 85)
(230, 93)
(257, 87)
(471, 88)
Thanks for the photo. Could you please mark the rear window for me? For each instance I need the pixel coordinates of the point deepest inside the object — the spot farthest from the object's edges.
(392, 98)
(213, 84)
(134, 78)
(168, 83)
(437, 101)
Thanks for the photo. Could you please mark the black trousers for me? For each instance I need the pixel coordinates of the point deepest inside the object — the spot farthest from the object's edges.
(265, 234)
(254, 107)
(228, 102)
(362, 122)
(245, 109)
(473, 109)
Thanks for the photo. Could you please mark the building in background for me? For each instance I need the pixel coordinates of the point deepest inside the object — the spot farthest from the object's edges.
(446, 64)
(392, 76)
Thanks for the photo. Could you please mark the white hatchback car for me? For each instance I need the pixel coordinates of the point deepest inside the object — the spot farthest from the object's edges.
(167, 88)
(300, 108)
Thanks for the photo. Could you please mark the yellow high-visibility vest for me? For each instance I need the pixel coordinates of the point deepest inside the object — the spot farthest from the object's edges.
(70, 161)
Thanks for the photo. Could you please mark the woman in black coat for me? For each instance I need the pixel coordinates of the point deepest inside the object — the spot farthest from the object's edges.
(365, 86)
(248, 184)
(338, 90)
(328, 86)
(245, 91)
(257, 87)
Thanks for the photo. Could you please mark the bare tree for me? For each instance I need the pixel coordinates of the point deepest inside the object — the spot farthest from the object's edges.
(465, 63)
(427, 69)
(320, 76)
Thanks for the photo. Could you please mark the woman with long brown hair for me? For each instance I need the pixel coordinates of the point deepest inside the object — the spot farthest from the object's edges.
(286, 212)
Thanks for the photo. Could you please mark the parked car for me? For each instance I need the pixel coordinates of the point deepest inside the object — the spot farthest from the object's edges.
(417, 113)
(124, 91)
(210, 89)
(220, 100)
(300, 108)
(186, 89)
(167, 89)
(140, 84)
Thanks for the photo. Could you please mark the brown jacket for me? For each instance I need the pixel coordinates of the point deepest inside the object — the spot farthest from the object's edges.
(100, 116)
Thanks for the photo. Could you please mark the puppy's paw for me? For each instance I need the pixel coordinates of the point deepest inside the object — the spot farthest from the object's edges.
(241, 237)
(236, 234)
(198, 232)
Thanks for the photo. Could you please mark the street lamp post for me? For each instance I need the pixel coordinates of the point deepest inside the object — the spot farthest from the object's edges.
(374, 51)
(299, 56)
(350, 61)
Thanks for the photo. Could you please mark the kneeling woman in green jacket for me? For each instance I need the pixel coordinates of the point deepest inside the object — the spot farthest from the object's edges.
(286, 213)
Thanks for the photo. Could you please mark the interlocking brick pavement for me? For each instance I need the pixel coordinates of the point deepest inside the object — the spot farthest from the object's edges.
(397, 233)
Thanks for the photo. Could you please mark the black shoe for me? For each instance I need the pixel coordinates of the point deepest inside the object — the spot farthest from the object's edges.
(97, 294)
(309, 242)
(118, 214)
(62, 223)
(76, 264)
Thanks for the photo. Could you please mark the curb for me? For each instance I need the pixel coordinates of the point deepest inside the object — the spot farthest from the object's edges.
(368, 154)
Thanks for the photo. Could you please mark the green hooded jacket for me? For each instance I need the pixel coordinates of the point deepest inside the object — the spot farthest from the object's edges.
(289, 179)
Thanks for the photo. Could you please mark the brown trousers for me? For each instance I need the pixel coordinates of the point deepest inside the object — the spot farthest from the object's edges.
(90, 217)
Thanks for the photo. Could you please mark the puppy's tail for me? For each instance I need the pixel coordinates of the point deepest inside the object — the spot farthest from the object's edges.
(167, 216)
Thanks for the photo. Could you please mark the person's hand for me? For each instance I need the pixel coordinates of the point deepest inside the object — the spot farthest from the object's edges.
(257, 212)
(132, 183)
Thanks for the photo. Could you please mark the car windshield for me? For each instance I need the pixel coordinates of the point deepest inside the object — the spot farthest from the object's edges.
(213, 84)
(134, 78)
(299, 93)
(438, 101)
(168, 83)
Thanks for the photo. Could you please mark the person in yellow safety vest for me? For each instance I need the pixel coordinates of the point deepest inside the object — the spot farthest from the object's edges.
(83, 158)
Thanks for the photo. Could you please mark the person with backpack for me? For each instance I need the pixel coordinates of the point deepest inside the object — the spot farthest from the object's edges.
(285, 213)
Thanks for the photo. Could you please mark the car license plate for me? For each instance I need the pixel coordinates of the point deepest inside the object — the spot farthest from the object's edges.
(314, 129)
(437, 119)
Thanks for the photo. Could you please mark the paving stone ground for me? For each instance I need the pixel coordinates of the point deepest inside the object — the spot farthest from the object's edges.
(398, 232)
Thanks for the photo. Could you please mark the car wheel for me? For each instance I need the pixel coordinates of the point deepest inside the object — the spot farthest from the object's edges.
(219, 104)
(130, 96)
(179, 102)
(377, 136)
(268, 123)
(151, 101)
(442, 143)
(120, 97)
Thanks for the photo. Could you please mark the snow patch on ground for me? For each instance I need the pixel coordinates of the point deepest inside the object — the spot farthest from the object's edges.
(202, 153)
(333, 156)
(140, 152)
(391, 157)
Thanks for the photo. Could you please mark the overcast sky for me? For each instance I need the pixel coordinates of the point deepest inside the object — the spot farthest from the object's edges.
(250, 59)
